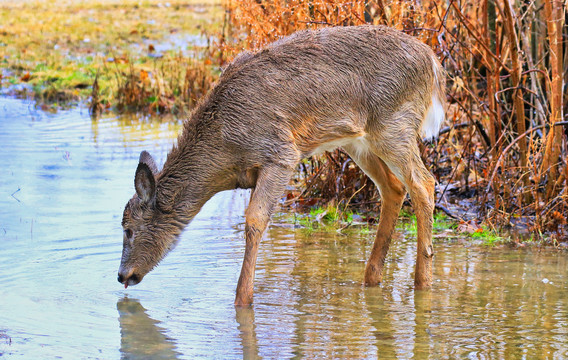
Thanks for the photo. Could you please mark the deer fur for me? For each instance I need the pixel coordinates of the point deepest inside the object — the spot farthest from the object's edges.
(371, 90)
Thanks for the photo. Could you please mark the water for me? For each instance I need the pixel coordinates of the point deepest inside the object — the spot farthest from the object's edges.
(65, 180)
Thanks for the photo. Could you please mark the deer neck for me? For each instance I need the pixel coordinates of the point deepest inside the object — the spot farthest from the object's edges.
(196, 169)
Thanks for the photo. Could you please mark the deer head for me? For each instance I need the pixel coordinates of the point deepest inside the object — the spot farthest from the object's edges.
(149, 230)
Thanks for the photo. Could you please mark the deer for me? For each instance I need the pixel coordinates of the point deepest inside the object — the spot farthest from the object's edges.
(373, 91)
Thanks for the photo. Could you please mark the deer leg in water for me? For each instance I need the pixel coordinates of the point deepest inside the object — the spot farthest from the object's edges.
(392, 195)
(421, 185)
(270, 185)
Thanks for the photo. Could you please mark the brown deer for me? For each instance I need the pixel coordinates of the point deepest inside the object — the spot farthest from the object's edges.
(371, 90)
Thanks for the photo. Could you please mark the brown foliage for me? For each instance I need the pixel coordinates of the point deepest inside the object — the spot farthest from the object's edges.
(504, 146)
(175, 86)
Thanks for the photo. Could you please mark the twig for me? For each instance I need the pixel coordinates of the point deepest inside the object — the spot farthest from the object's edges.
(467, 25)
(476, 122)
(419, 29)
(315, 22)
(340, 230)
(454, 170)
(447, 129)
(497, 164)
(520, 87)
(446, 211)
(12, 195)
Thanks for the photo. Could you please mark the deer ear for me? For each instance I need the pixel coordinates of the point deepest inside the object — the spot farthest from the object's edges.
(146, 158)
(145, 183)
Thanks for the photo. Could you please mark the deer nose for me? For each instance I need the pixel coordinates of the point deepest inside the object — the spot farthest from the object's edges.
(124, 274)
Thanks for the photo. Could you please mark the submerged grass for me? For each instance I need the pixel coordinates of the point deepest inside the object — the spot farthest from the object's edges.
(332, 219)
(442, 223)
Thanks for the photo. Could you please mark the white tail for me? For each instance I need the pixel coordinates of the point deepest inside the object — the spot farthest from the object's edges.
(436, 114)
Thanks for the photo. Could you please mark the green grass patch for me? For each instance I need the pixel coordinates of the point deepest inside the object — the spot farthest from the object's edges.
(441, 223)
(330, 218)
(488, 237)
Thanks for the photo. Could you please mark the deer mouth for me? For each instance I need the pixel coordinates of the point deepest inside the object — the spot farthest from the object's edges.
(129, 280)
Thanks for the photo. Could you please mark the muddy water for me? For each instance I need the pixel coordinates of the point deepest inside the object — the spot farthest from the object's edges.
(64, 182)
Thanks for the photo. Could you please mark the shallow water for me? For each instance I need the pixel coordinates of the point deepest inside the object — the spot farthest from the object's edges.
(64, 182)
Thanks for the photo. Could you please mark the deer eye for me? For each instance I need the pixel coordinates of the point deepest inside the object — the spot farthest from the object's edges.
(128, 233)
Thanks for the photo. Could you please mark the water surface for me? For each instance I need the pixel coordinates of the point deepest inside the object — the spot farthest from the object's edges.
(65, 179)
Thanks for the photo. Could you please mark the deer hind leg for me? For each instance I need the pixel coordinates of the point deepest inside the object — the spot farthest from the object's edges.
(270, 185)
(421, 185)
(409, 168)
(392, 193)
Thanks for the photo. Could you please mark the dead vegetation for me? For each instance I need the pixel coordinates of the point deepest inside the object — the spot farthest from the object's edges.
(504, 147)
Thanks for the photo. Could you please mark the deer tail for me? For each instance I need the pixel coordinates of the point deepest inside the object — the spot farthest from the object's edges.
(436, 112)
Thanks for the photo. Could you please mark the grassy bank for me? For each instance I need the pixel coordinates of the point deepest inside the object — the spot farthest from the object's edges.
(329, 218)
(153, 56)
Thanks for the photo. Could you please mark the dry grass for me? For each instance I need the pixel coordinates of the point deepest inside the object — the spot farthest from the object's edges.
(54, 50)
(504, 146)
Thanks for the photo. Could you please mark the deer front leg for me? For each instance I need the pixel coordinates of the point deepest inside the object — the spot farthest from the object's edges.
(270, 185)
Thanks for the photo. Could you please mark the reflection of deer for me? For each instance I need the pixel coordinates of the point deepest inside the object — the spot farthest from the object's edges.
(371, 90)
(247, 332)
(141, 337)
